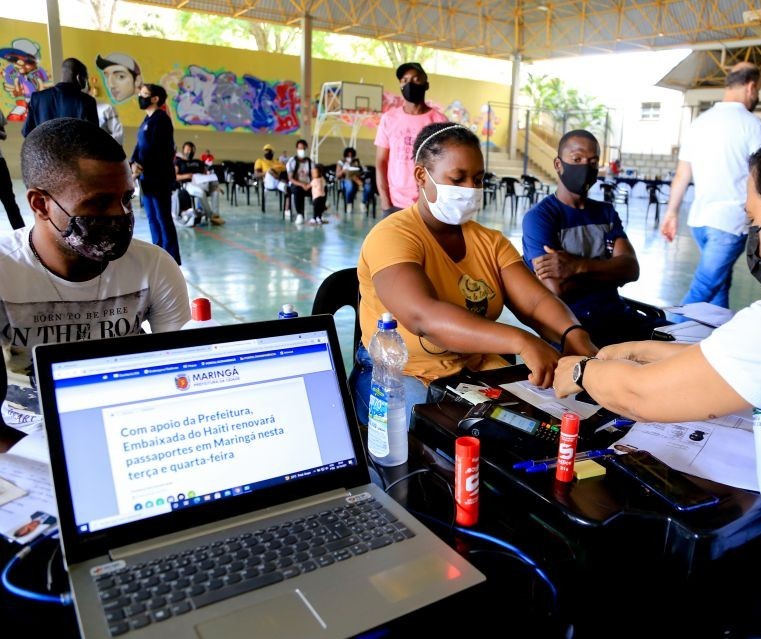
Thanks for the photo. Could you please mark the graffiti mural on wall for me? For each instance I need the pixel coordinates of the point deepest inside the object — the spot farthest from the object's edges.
(456, 112)
(223, 101)
(22, 75)
(121, 75)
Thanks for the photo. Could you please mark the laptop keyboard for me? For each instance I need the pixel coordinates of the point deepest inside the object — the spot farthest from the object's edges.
(150, 592)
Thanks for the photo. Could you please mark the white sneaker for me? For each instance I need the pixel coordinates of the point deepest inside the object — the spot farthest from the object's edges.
(299, 219)
(363, 208)
(287, 214)
(187, 218)
(349, 208)
(313, 221)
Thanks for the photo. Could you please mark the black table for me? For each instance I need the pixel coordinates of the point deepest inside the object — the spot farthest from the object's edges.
(632, 555)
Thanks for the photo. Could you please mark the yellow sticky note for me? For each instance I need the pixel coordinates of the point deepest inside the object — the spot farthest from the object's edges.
(587, 468)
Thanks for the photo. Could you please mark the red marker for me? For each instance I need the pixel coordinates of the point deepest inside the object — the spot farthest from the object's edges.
(569, 435)
(466, 468)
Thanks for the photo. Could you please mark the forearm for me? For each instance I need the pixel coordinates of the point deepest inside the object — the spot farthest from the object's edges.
(382, 184)
(644, 352)
(680, 388)
(550, 318)
(678, 188)
(617, 270)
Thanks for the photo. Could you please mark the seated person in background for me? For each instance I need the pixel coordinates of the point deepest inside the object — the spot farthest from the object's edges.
(194, 177)
(447, 279)
(77, 274)
(666, 382)
(299, 169)
(351, 173)
(207, 158)
(317, 187)
(579, 250)
(270, 170)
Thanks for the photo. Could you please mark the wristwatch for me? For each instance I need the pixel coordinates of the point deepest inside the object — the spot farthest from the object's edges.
(578, 372)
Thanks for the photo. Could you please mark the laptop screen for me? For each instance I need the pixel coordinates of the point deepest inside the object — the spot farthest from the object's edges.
(164, 431)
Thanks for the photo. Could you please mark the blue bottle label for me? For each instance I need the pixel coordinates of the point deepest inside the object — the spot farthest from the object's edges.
(377, 423)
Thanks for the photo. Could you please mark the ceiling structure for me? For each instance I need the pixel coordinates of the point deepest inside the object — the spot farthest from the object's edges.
(707, 69)
(505, 28)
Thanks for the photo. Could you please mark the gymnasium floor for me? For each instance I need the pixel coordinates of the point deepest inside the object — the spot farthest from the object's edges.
(257, 262)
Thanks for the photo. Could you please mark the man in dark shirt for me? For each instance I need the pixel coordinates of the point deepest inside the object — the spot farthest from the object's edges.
(67, 99)
(194, 178)
(579, 250)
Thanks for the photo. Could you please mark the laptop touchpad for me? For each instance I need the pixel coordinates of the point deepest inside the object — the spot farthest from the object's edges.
(281, 617)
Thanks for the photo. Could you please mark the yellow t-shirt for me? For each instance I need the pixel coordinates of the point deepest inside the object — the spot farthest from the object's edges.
(264, 165)
(475, 283)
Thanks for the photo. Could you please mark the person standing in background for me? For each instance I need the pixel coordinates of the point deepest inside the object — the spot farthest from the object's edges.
(715, 157)
(153, 164)
(396, 135)
(109, 121)
(6, 186)
(67, 99)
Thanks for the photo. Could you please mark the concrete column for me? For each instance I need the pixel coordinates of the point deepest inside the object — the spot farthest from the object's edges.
(512, 121)
(54, 40)
(306, 77)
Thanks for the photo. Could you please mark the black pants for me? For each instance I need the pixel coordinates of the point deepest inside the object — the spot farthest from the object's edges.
(297, 198)
(8, 198)
(318, 207)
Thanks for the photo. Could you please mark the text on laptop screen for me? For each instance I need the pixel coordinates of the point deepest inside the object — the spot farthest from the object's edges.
(151, 433)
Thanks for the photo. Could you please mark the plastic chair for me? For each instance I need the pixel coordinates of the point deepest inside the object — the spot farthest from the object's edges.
(653, 191)
(621, 196)
(508, 184)
(491, 184)
(337, 290)
(242, 178)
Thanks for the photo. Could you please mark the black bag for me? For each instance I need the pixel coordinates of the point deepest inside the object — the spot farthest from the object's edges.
(186, 202)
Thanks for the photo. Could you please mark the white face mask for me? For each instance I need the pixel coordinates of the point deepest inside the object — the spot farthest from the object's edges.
(301, 153)
(454, 204)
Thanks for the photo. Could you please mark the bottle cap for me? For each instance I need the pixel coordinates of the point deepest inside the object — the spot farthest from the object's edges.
(200, 309)
(288, 311)
(387, 321)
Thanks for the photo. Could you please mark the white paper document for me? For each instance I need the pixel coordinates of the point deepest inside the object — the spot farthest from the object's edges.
(703, 312)
(722, 451)
(545, 399)
(688, 332)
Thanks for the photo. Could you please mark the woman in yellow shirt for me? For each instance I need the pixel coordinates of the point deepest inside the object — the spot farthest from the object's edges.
(446, 279)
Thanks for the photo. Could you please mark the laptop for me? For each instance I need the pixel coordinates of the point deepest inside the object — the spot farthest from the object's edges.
(213, 483)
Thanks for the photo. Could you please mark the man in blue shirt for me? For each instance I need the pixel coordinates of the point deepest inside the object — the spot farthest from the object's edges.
(579, 250)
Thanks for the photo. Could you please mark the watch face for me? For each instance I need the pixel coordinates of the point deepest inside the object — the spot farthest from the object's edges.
(576, 373)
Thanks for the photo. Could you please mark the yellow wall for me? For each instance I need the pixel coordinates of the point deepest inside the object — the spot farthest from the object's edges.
(167, 62)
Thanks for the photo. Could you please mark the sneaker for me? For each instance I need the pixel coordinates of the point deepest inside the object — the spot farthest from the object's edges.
(217, 220)
(363, 208)
(187, 218)
(349, 208)
(322, 220)
(287, 214)
(299, 219)
(314, 221)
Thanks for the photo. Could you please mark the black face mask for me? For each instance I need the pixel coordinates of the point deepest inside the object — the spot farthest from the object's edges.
(268, 155)
(143, 102)
(100, 238)
(414, 93)
(578, 178)
(751, 252)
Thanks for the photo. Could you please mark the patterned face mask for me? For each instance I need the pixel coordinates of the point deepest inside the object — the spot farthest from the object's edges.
(100, 238)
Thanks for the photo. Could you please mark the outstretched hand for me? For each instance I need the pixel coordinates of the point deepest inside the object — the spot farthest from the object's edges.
(670, 226)
(541, 359)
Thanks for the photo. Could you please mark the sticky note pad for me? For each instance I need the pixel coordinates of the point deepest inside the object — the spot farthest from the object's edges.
(587, 468)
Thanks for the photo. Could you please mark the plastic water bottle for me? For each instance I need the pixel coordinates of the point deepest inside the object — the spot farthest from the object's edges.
(287, 312)
(200, 313)
(387, 423)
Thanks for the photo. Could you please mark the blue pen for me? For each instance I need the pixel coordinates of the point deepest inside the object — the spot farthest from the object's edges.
(623, 421)
(590, 454)
(585, 455)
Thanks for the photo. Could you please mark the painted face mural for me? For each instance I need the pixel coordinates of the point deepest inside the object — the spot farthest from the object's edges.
(121, 75)
(22, 76)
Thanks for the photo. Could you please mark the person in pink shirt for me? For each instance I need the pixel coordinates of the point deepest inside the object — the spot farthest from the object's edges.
(317, 186)
(396, 135)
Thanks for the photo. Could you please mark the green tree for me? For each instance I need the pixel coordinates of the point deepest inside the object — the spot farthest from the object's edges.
(567, 107)
(149, 26)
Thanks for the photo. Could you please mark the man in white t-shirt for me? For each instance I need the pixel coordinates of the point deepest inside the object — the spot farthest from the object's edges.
(77, 274)
(714, 156)
(395, 138)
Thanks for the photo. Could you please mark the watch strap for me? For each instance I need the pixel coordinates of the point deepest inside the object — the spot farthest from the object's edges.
(582, 366)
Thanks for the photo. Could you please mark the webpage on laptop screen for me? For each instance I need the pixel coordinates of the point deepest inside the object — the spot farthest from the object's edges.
(174, 429)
